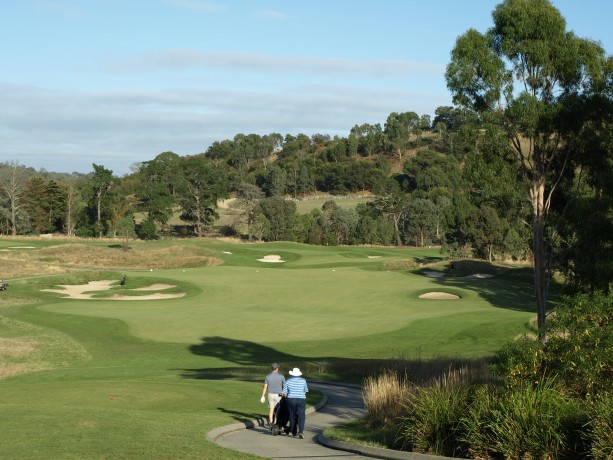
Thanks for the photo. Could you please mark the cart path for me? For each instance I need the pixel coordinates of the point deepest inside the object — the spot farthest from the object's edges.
(344, 404)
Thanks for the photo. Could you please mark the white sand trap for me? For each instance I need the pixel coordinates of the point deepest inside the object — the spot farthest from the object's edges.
(271, 258)
(227, 252)
(481, 275)
(85, 291)
(374, 257)
(434, 274)
(22, 247)
(439, 296)
(80, 291)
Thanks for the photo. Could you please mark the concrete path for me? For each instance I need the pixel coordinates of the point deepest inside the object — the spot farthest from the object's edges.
(344, 403)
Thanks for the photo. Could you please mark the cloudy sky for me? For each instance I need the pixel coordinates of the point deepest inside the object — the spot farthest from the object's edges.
(116, 82)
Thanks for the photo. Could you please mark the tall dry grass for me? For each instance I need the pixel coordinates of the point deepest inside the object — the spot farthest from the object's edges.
(68, 257)
(427, 396)
(385, 391)
(383, 397)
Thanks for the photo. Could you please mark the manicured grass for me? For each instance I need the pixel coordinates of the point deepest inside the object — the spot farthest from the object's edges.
(142, 379)
(359, 432)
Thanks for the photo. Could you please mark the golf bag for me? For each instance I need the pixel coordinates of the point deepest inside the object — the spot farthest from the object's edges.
(282, 418)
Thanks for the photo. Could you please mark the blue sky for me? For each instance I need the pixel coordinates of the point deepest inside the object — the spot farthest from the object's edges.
(116, 82)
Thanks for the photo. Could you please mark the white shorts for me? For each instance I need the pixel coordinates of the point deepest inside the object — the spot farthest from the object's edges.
(273, 399)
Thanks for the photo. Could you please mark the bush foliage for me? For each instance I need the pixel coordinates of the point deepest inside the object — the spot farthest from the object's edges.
(578, 351)
(553, 401)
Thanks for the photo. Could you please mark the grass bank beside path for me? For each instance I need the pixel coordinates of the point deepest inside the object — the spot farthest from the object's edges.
(146, 379)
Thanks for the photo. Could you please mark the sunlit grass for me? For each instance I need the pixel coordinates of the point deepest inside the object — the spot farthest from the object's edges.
(148, 379)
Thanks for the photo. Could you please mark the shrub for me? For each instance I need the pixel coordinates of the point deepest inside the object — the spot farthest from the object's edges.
(578, 351)
(432, 423)
(524, 422)
(580, 344)
(147, 230)
(520, 361)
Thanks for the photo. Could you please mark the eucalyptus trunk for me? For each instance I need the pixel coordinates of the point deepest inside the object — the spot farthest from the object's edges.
(541, 279)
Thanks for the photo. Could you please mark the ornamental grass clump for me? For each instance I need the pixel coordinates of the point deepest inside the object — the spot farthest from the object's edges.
(524, 422)
(601, 430)
(383, 395)
(432, 424)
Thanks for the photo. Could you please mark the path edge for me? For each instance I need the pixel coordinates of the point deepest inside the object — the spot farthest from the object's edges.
(260, 421)
(375, 452)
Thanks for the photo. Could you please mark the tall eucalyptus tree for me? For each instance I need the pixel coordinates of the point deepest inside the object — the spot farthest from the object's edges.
(527, 73)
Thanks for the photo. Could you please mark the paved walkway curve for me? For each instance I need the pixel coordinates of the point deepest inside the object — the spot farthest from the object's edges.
(342, 403)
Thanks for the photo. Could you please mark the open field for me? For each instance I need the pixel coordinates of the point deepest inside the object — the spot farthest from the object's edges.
(102, 377)
(306, 204)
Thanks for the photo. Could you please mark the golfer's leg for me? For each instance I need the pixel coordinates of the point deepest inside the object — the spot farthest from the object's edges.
(301, 410)
(291, 405)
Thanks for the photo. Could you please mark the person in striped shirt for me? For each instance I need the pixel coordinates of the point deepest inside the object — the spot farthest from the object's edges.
(295, 389)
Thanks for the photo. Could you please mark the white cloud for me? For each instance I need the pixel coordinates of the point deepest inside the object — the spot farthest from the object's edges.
(69, 130)
(263, 63)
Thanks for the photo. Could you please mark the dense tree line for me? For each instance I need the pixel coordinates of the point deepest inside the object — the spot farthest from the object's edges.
(413, 180)
(521, 167)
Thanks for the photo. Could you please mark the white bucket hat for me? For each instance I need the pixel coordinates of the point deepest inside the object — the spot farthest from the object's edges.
(295, 372)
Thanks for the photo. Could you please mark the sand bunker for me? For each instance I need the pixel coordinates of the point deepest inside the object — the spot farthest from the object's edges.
(439, 296)
(86, 291)
(434, 274)
(271, 258)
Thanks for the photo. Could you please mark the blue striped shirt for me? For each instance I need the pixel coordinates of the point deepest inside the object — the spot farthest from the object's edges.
(296, 387)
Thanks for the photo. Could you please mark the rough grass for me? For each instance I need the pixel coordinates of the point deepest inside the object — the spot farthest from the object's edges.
(20, 264)
(27, 348)
(66, 257)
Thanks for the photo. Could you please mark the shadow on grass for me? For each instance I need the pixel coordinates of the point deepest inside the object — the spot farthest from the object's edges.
(254, 359)
(503, 287)
(248, 355)
(240, 416)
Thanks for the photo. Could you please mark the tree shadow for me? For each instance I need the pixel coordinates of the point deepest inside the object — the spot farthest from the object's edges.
(502, 287)
(238, 351)
(252, 360)
(251, 357)
(243, 416)
(246, 354)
